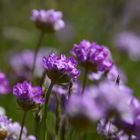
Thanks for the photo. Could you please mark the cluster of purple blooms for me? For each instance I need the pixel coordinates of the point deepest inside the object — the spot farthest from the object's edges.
(24, 61)
(92, 56)
(61, 67)
(27, 95)
(48, 20)
(108, 103)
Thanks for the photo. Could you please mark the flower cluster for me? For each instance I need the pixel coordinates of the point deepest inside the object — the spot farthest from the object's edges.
(101, 102)
(27, 95)
(129, 43)
(92, 56)
(24, 61)
(60, 69)
(4, 84)
(105, 101)
(48, 20)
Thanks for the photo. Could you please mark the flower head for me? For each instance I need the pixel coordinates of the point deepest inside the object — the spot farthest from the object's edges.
(92, 56)
(82, 111)
(4, 84)
(22, 62)
(48, 20)
(107, 96)
(61, 67)
(27, 95)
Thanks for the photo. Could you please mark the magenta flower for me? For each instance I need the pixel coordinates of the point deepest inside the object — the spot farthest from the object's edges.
(61, 67)
(48, 20)
(27, 95)
(92, 56)
(4, 84)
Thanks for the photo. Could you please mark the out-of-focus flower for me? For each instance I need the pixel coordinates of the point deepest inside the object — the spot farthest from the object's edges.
(27, 95)
(4, 122)
(113, 74)
(92, 56)
(48, 20)
(61, 67)
(128, 42)
(82, 111)
(31, 137)
(22, 62)
(4, 84)
(14, 131)
(110, 131)
(108, 95)
(2, 111)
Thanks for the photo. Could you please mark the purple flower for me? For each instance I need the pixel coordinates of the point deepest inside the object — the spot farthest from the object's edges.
(4, 84)
(92, 56)
(128, 42)
(61, 67)
(4, 122)
(48, 20)
(21, 63)
(27, 95)
(108, 96)
(82, 111)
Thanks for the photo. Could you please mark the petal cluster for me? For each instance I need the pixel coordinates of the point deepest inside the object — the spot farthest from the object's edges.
(61, 67)
(92, 56)
(27, 95)
(48, 20)
(4, 84)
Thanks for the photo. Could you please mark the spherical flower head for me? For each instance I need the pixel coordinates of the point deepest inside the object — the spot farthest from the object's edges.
(48, 20)
(92, 56)
(28, 97)
(107, 96)
(60, 69)
(4, 84)
(4, 122)
(82, 111)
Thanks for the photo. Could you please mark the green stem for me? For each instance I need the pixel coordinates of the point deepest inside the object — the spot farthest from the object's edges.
(42, 80)
(58, 117)
(38, 115)
(84, 80)
(36, 51)
(63, 129)
(22, 124)
(47, 97)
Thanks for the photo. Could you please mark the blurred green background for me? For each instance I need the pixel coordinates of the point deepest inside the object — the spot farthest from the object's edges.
(95, 20)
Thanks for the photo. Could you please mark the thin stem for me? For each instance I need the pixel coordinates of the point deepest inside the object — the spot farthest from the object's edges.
(38, 115)
(36, 52)
(63, 129)
(22, 124)
(84, 80)
(47, 97)
(42, 80)
(58, 117)
(70, 89)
